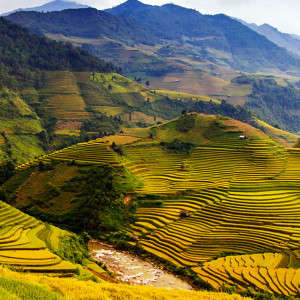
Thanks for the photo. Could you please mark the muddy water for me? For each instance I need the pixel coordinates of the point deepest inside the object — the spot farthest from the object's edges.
(133, 270)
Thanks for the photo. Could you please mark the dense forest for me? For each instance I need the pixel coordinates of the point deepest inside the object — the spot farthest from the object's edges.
(276, 104)
(23, 55)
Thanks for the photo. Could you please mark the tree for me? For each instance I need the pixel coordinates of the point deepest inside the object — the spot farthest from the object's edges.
(6, 171)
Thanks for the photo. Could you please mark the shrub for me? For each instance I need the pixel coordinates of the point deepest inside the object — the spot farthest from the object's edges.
(178, 146)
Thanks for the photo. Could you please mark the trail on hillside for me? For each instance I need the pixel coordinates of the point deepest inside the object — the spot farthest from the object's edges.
(133, 270)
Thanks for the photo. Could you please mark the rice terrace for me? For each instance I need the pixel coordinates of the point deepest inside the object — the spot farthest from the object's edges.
(149, 151)
(226, 207)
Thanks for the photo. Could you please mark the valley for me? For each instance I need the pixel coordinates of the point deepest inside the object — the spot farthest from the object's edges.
(147, 152)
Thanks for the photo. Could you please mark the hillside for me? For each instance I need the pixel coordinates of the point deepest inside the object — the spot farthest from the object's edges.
(203, 61)
(53, 96)
(58, 104)
(97, 24)
(26, 126)
(216, 194)
(30, 245)
(285, 40)
(218, 39)
(24, 53)
(217, 32)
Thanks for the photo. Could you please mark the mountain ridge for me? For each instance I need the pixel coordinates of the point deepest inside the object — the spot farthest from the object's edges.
(288, 41)
(169, 26)
(56, 5)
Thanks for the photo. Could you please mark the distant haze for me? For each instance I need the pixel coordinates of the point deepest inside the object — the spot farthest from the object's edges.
(283, 15)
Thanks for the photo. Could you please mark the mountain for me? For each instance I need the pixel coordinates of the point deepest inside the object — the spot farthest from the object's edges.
(219, 32)
(53, 95)
(87, 23)
(56, 5)
(174, 31)
(126, 8)
(284, 40)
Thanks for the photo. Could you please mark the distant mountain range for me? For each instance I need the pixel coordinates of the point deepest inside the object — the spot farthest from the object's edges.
(56, 5)
(290, 42)
(175, 31)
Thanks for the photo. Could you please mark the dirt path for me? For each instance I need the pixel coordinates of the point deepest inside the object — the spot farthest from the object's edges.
(131, 269)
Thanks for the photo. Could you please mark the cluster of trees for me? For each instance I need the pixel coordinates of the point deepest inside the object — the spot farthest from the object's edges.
(102, 123)
(276, 104)
(6, 171)
(97, 197)
(168, 108)
(178, 146)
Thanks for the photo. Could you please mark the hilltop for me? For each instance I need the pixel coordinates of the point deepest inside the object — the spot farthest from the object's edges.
(55, 5)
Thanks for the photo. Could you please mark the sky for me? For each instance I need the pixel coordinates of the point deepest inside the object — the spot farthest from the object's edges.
(282, 14)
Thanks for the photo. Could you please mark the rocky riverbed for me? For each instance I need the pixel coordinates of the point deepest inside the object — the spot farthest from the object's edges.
(133, 270)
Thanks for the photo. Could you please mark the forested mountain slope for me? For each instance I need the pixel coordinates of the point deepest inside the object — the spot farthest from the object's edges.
(285, 40)
(169, 26)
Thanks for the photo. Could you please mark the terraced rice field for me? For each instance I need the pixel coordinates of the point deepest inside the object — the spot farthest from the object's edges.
(63, 96)
(165, 172)
(241, 197)
(24, 243)
(94, 152)
(268, 271)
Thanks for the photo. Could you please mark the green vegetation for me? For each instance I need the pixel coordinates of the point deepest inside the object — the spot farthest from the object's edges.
(24, 53)
(26, 243)
(95, 198)
(276, 104)
(178, 146)
(74, 249)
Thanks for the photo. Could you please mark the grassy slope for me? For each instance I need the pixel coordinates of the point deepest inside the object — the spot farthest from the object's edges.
(285, 138)
(20, 127)
(82, 290)
(27, 243)
(67, 95)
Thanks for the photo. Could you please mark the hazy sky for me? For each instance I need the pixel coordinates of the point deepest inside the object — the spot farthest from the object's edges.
(283, 14)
